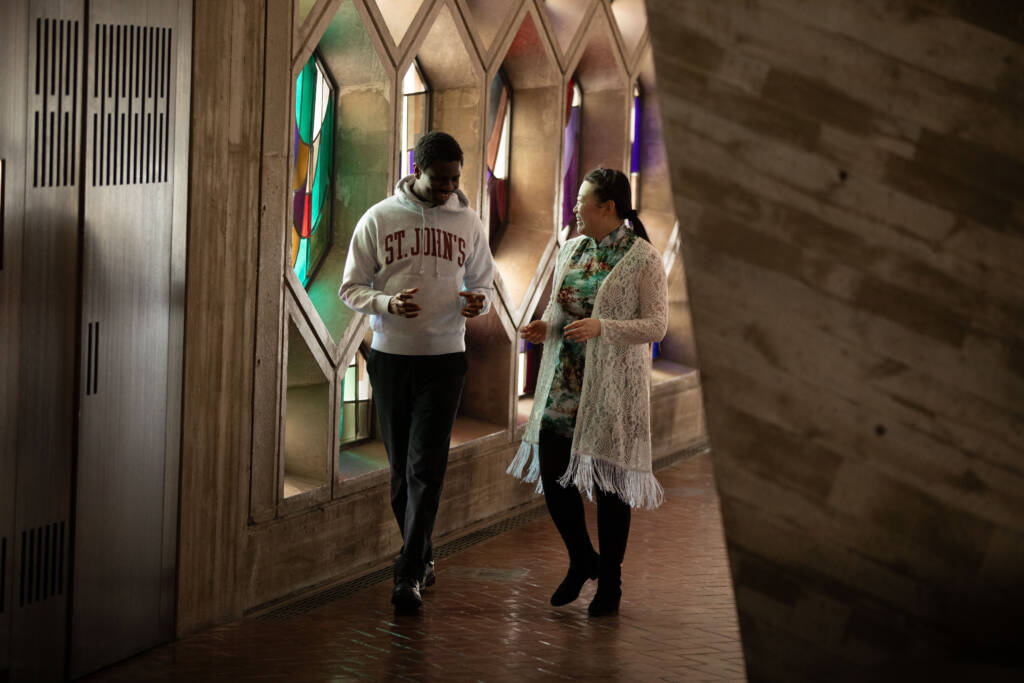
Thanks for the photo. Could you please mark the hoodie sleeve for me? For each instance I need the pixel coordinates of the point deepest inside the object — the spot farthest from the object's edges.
(479, 275)
(360, 266)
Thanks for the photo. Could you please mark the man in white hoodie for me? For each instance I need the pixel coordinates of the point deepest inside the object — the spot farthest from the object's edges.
(419, 264)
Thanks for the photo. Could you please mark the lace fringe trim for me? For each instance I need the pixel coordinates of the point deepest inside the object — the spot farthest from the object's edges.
(638, 489)
(526, 464)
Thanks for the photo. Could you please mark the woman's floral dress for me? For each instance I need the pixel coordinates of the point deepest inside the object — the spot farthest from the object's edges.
(588, 268)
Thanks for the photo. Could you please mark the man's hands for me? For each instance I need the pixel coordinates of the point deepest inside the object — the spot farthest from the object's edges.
(582, 330)
(402, 305)
(474, 303)
(535, 332)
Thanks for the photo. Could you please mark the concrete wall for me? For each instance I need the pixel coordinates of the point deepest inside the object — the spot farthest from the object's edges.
(848, 177)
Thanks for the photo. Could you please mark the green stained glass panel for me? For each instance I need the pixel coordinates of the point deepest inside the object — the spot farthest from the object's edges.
(302, 262)
(305, 96)
(322, 179)
(349, 386)
(314, 123)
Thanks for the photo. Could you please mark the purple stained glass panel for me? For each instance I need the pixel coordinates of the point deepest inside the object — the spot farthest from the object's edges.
(634, 162)
(570, 162)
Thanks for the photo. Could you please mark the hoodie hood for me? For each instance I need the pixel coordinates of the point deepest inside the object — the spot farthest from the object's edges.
(403, 190)
(457, 202)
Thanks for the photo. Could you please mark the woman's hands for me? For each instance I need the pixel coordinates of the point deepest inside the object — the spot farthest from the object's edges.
(583, 329)
(535, 332)
(578, 331)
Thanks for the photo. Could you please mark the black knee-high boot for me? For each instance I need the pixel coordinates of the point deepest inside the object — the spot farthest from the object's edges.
(613, 517)
(566, 508)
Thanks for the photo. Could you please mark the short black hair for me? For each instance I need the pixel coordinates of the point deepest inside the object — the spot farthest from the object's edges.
(436, 146)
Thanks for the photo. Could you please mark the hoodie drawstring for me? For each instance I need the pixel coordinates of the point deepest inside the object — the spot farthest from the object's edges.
(423, 232)
(402, 189)
(427, 239)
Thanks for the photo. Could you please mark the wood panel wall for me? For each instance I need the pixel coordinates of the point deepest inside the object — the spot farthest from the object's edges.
(239, 551)
(851, 172)
(227, 118)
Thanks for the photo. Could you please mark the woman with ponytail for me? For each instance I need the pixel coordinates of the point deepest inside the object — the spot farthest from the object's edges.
(590, 430)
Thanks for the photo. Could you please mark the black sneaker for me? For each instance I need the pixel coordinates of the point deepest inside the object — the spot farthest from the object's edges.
(406, 596)
(429, 576)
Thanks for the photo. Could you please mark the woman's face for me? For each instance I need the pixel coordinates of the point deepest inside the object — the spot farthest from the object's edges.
(590, 216)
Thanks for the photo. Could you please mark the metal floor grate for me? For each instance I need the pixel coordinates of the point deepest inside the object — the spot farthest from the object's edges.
(308, 603)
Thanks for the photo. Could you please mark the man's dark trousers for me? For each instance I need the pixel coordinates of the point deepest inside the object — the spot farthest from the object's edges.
(417, 398)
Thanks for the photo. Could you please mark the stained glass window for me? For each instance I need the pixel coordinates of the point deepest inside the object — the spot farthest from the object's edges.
(571, 156)
(499, 116)
(415, 113)
(357, 407)
(529, 365)
(314, 156)
(634, 146)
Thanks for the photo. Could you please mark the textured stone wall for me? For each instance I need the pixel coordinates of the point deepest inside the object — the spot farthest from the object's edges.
(848, 177)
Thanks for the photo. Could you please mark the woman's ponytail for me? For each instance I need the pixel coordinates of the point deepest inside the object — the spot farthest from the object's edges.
(636, 224)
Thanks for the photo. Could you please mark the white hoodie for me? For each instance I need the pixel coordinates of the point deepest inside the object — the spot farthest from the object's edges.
(404, 242)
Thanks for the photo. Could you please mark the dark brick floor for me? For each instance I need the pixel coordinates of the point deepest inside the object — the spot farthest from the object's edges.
(488, 617)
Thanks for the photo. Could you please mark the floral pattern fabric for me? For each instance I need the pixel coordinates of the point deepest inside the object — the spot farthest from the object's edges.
(589, 266)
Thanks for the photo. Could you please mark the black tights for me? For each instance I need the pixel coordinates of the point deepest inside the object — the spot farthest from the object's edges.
(566, 508)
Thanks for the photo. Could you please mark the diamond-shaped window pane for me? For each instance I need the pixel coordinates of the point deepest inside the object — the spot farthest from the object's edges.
(631, 17)
(398, 15)
(451, 71)
(655, 201)
(535, 106)
(565, 17)
(348, 169)
(487, 16)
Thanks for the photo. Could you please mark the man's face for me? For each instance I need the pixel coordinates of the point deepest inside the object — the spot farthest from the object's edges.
(437, 182)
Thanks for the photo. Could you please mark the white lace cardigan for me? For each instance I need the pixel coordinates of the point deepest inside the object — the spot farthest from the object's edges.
(611, 445)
